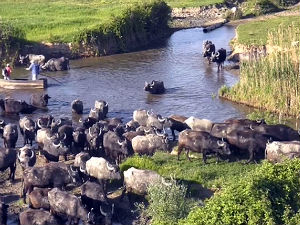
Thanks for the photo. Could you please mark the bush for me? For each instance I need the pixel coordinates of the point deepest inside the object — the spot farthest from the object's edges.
(167, 203)
(268, 195)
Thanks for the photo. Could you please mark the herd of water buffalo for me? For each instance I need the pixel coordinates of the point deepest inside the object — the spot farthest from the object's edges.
(99, 144)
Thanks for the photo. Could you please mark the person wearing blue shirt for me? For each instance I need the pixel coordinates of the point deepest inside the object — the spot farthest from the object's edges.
(35, 69)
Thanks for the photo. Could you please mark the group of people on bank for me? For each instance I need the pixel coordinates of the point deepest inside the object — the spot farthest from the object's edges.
(34, 67)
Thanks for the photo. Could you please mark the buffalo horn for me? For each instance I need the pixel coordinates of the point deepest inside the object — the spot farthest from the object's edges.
(32, 154)
(102, 212)
(251, 128)
(158, 134)
(56, 146)
(53, 120)
(19, 156)
(13, 131)
(106, 104)
(217, 54)
(89, 215)
(39, 123)
(59, 122)
(111, 168)
(71, 168)
(65, 136)
(80, 120)
(1, 122)
(27, 128)
(81, 170)
(93, 110)
(120, 143)
(220, 144)
(147, 131)
(90, 132)
(162, 120)
(148, 114)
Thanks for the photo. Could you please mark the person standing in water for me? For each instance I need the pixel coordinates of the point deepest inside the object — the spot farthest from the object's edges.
(35, 69)
(6, 72)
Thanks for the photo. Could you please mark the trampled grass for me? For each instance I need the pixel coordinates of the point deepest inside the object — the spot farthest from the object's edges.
(60, 20)
(211, 175)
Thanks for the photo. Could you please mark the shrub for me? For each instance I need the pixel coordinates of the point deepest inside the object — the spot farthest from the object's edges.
(167, 203)
(268, 195)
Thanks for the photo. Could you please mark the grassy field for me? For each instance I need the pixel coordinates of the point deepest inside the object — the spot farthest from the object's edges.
(60, 20)
(256, 33)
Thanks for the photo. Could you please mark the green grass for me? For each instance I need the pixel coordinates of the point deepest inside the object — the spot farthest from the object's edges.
(255, 33)
(211, 175)
(61, 20)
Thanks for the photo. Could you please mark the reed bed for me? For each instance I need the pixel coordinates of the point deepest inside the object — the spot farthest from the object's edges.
(272, 82)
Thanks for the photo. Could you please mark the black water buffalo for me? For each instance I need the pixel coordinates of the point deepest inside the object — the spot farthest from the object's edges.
(27, 129)
(147, 145)
(202, 142)
(64, 203)
(115, 148)
(10, 135)
(12, 106)
(219, 57)
(54, 174)
(44, 121)
(96, 114)
(92, 194)
(26, 157)
(79, 139)
(208, 50)
(55, 124)
(27, 59)
(8, 159)
(248, 142)
(38, 217)
(39, 100)
(3, 213)
(155, 87)
(177, 123)
(38, 198)
(88, 122)
(65, 133)
(53, 148)
(94, 138)
(57, 64)
(77, 106)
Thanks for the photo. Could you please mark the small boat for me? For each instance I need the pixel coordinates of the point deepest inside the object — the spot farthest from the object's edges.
(23, 84)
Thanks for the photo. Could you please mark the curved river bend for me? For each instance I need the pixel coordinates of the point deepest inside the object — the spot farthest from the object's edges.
(119, 79)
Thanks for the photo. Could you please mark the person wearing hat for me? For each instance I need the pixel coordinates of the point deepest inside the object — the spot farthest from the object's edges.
(6, 72)
(35, 69)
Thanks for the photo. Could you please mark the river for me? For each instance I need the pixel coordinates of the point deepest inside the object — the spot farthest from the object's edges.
(192, 84)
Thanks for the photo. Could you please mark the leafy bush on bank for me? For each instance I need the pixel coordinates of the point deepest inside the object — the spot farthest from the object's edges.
(268, 195)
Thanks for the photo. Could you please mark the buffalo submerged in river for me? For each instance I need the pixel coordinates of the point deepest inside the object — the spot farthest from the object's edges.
(155, 87)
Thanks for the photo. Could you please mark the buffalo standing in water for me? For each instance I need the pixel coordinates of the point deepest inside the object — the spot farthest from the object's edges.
(155, 87)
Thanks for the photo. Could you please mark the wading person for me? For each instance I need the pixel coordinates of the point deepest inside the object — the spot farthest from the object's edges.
(35, 69)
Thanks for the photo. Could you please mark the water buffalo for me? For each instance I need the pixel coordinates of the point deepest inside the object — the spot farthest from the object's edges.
(8, 159)
(94, 138)
(54, 174)
(10, 135)
(53, 148)
(55, 124)
(64, 203)
(26, 157)
(202, 142)
(155, 87)
(65, 134)
(199, 124)
(42, 136)
(149, 144)
(79, 139)
(12, 106)
(115, 148)
(177, 123)
(208, 50)
(279, 151)
(27, 129)
(96, 114)
(44, 121)
(77, 106)
(27, 59)
(219, 57)
(137, 181)
(102, 106)
(39, 100)
(38, 217)
(92, 195)
(38, 198)
(57, 64)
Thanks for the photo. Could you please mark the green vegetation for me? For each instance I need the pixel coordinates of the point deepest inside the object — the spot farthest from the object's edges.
(211, 175)
(268, 195)
(272, 82)
(167, 204)
(60, 20)
(255, 33)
